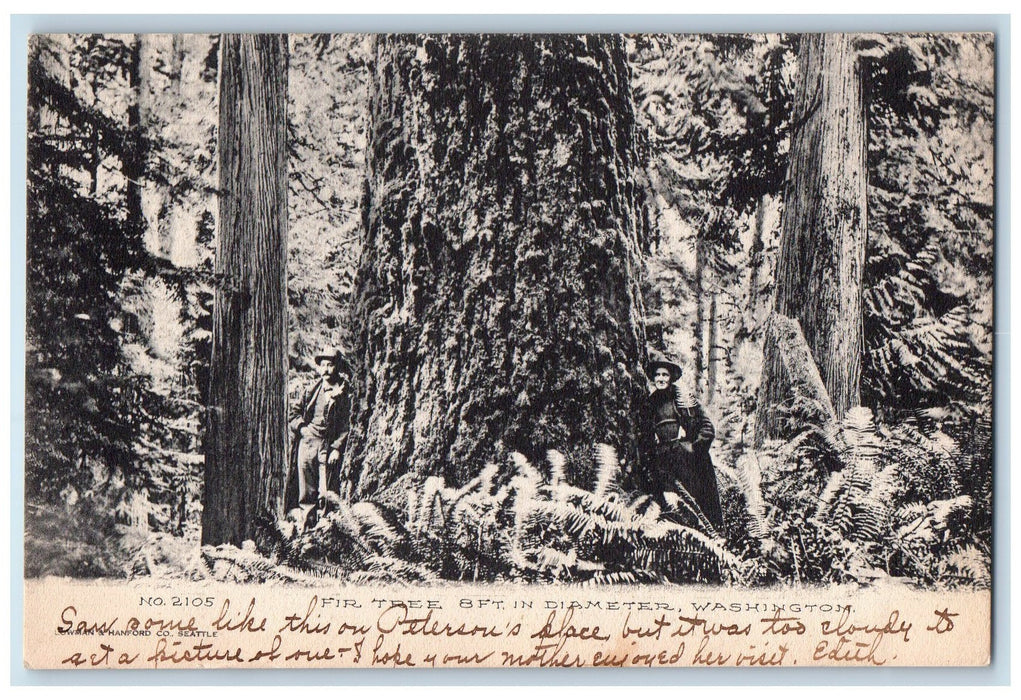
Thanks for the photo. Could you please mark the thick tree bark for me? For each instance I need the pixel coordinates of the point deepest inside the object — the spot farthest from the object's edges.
(246, 440)
(498, 304)
(822, 251)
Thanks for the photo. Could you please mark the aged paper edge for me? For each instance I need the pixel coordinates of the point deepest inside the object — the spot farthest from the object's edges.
(108, 625)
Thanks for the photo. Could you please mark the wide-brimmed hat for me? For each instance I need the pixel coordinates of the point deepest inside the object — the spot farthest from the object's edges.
(657, 361)
(333, 353)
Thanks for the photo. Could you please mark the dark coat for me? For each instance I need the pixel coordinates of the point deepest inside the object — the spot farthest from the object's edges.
(338, 421)
(682, 456)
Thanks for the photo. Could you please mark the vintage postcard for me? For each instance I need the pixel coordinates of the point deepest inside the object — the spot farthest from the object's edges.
(509, 350)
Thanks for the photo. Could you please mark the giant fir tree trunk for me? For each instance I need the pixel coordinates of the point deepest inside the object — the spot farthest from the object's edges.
(246, 440)
(822, 250)
(498, 304)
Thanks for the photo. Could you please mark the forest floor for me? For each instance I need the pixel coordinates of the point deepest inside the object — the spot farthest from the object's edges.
(60, 542)
(56, 545)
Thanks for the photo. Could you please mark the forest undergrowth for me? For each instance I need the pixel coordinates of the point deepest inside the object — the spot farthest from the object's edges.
(857, 503)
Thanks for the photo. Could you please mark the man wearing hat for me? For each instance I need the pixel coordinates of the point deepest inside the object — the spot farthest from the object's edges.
(682, 434)
(319, 424)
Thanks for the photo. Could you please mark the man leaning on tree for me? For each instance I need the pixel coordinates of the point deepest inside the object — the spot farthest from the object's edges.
(319, 424)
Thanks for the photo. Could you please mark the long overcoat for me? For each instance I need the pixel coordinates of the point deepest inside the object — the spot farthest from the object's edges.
(671, 462)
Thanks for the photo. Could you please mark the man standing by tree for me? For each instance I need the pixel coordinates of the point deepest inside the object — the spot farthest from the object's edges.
(319, 424)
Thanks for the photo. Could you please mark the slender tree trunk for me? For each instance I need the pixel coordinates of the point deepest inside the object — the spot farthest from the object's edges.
(246, 440)
(178, 214)
(654, 327)
(150, 106)
(711, 358)
(177, 53)
(35, 105)
(169, 212)
(96, 155)
(498, 302)
(756, 258)
(822, 251)
(133, 163)
(699, 368)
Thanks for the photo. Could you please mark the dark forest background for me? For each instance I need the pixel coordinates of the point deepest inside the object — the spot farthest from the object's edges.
(668, 158)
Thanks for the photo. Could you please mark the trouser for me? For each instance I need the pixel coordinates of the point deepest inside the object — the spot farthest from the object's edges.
(312, 455)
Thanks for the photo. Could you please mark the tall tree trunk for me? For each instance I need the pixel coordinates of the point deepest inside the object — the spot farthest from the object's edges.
(96, 154)
(756, 257)
(498, 302)
(711, 355)
(133, 162)
(177, 52)
(151, 53)
(700, 364)
(246, 440)
(822, 251)
(35, 105)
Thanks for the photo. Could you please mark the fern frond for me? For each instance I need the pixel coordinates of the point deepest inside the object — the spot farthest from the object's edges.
(393, 570)
(700, 542)
(748, 476)
(557, 462)
(619, 577)
(687, 502)
(608, 471)
(556, 561)
(944, 509)
(970, 564)
(372, 524)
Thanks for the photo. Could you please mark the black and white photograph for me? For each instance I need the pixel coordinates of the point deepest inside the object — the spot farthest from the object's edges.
(596, 311)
